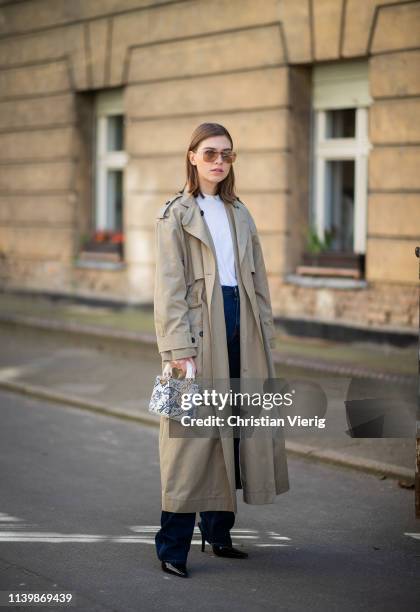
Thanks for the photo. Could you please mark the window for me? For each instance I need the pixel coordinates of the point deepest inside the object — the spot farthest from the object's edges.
(110, 159)
(340, 160)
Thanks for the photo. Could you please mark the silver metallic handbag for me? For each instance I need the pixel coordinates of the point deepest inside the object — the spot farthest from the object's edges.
(168, 393)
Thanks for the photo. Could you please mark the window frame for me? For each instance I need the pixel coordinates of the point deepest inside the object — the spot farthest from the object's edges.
(107, 104)
(338, 149)
(340, 85)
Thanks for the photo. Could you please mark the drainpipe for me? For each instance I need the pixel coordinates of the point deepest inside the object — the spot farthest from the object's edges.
(417, 476)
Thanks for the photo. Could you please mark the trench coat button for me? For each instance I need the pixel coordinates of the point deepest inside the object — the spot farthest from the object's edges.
(200, 333)
(201, 212)
(192, 339)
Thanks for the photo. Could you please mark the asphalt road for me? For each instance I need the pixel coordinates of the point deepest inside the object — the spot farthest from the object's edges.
(80, 503)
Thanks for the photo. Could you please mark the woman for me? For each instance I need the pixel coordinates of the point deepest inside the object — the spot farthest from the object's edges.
(212, 308)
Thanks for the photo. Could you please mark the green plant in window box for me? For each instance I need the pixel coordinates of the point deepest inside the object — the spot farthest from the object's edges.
(319, 253)
(315, 245)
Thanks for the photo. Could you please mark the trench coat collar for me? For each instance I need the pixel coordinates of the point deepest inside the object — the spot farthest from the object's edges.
(194, 224)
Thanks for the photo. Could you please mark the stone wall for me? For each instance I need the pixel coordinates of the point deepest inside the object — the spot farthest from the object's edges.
(181, 63)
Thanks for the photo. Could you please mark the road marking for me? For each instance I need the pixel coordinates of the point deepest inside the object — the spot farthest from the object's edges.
(261, 545)
(61, 538)
(8, 518)
(10, 531)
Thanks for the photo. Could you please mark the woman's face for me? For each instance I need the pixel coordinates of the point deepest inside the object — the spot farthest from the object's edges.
(217, 170)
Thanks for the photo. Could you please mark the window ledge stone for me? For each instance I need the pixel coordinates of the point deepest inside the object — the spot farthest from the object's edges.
(324, 281)
(100, 265)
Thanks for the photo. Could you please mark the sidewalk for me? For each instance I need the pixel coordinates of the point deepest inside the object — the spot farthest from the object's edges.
(136, 325)
(41, 364)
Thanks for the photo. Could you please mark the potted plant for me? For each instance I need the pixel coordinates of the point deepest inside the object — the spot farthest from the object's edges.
(104, 245)
(319, 257)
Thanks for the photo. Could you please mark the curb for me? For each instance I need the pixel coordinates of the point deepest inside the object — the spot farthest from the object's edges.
(300, 450)
(149, 341)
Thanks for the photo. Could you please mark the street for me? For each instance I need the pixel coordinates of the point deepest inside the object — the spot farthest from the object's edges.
(80, 503)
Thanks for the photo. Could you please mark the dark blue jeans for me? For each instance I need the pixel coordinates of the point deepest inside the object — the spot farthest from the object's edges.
(173, 540)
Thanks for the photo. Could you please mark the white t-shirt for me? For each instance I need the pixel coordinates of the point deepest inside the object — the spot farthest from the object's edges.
(215, 215)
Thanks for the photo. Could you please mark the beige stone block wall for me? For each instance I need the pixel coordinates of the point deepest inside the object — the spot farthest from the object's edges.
(273, 256)
(242, 68)
(36, 243)
(36, 112)
(99, 33)
(109, 284)
(49, 13)
(256, 129)
(37, 210)
(395, 74)
(395, 121)
(392, 260)
(298, 167)
(39, 79)
(326, 29)
(33, 177)
(394, 168)
(241, 91)
(394, 185)
(67, 44)
(380, 306)
(37, 275)
(396, 215)
(140, 246)
(269, 211)
(359, 22)
(38, 144)
(397, 27)
(295, 19)
(251, 48)
(68, 51)
(140, 275)
(141, 209)
(180, 20)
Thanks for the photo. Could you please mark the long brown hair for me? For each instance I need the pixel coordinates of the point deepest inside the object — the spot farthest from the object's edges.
(226, 188)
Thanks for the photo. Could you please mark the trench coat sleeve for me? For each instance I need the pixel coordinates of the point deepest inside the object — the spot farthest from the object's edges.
(261, 287)
(173, 333)
(176, 354)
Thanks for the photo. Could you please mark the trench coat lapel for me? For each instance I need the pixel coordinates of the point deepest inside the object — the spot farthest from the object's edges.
(194, 223)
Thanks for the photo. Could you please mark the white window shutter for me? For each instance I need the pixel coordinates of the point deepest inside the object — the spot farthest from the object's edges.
(341, 85)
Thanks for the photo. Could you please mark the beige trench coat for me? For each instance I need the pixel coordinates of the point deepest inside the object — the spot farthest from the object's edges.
(198, 474)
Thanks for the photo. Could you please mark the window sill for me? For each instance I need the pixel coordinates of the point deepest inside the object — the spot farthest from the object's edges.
(329, 271)
(99, 265)
(325, 281)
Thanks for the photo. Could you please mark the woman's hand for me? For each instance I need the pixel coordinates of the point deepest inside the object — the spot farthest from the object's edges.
(181, 364)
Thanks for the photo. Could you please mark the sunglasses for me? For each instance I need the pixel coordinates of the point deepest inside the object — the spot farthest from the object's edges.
(210, 155)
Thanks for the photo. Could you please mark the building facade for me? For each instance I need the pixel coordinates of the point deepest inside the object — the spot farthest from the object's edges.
(98, 100)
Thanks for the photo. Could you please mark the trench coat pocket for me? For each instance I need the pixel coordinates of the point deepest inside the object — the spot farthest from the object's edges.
(194, 301)
(197, 334)
(195, 291)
